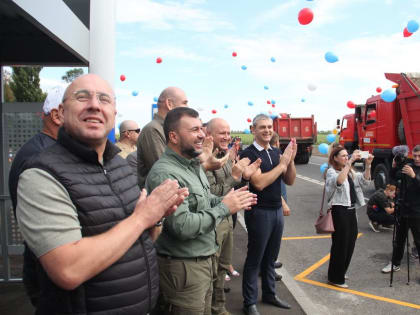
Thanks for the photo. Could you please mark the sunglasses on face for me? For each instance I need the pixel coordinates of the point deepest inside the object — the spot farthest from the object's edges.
(135, 130)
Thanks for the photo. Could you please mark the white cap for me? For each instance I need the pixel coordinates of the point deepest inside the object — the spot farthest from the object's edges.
(54, 98)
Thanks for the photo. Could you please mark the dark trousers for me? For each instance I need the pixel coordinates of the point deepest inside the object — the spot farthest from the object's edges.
(381, 217)
(343, 242)
(401, 236)
(265, 229)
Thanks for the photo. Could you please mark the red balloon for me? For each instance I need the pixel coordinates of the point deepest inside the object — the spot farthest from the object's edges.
(378, 89)
(268, 102)
(272, 105)
(305, 16)
(249, 120)
(213, 111)
(350, 104)
(406, 33)
(234, 54)
(158, 60)
(122, 77)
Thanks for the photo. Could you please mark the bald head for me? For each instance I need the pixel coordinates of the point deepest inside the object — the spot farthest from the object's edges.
(129, 132)
(170, 98)
(219, 129)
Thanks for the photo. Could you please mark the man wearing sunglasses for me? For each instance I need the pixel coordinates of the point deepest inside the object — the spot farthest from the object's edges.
(129, 132)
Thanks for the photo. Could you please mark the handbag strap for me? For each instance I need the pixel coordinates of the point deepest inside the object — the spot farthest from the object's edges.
(321, 212)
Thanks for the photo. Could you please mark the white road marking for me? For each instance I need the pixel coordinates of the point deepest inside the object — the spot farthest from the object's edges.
(314, 164)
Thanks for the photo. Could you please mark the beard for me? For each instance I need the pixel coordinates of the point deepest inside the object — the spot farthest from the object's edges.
(189, 151)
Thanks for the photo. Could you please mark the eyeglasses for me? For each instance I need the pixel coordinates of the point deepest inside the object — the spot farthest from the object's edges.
(83, 96)
(135, 130)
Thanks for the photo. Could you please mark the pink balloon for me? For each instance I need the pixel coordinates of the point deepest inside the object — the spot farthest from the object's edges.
(378, 89)
(406, 33)
(305, 16)
(122, 77)
(350, 104)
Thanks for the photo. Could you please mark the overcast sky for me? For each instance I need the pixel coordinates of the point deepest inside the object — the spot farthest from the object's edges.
(196, 38)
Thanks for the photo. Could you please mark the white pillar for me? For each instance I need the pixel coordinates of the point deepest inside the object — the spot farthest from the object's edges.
(102, 39)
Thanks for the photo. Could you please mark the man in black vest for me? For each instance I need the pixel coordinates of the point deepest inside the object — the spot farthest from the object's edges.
(265, 220)
(81, 213)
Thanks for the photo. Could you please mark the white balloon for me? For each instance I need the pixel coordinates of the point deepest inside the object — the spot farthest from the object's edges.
(311, 87)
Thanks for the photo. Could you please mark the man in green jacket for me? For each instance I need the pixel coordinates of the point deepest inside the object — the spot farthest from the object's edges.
(187, 245)
(221, 182)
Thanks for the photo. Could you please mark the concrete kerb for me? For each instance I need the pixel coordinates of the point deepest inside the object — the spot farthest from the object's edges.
(303, 300)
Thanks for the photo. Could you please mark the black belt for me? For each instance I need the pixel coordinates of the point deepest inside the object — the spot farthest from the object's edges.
(185, 258)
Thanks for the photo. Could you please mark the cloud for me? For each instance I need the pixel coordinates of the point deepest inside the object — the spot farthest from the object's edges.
(46, 83)
(169, 15)
(164, 52)
(273, 14)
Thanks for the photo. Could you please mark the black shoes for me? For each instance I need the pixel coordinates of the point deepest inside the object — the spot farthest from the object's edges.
(278, 277)
(278, 265)
(251, 310)
(274, 300)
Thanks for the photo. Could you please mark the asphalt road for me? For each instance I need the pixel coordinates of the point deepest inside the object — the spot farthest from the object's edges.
(369, 291)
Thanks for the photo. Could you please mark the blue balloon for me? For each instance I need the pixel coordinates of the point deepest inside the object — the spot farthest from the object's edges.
(273, 116)
(412, 26)
(250, 103)
(226, 106)
(265, 87)
(243, 67)
(323, 167)
(247, 131)
(135, 93)
(323, 148)
(389, 95)
(273, 59)
(331, 138)
(155, 99)
(302, 100)
(331, 57)
(273, 102)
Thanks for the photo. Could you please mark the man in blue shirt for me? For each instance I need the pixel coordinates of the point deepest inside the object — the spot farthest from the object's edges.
(265, 220)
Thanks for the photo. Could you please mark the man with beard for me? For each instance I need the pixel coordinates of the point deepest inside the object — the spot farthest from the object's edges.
(187, 245)
(221, 182)
(265, 221)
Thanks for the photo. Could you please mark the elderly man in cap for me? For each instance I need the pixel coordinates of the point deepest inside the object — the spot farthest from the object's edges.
(42, 140)
(81, 213)
(129, 132)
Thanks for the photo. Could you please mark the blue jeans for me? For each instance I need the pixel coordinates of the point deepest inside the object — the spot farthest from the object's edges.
(265, 229)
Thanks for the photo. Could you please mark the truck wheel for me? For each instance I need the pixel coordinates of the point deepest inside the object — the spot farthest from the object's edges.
(305, 158)
(380, 176)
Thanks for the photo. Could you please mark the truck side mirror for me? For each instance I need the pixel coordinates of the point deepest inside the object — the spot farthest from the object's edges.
(338, 122)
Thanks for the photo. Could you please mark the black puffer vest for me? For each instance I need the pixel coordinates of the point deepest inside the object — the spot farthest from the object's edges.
(103, 195)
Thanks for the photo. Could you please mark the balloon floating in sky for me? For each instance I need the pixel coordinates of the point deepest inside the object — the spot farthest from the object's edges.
(135, 93)
(323, 167)
(246, 131)
(265, 87)
(226, 106)
(122, 77)
(302, 100)
(305, 16)
(323, 148)
(350, 104)
(273, 105)
(272, 59)
(406, 33)
(234, 54)
(331, 138)
(249, 120)
(378, 89)
(155, 99)
(158, 60)
(244, 67)
(250, 103)
(213, 111)
(268, 102)
(273, 102)
(412, 26)
(311, 87)
(389, 95)
(330, 57)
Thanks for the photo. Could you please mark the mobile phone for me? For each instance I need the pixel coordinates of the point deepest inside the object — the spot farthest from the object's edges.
(364, 154)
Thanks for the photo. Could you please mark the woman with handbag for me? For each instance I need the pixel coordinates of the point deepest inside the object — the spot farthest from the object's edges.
(344, 194)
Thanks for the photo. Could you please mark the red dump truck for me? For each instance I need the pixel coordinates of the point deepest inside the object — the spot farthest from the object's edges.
(303, 129)
(378, 126)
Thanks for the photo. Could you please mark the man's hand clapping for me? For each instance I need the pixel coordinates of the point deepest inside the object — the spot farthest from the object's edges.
(208, 158)
(239, 199)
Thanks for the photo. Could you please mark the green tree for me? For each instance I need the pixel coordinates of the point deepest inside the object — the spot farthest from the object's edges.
(25, 84)
(72, 74)
(8, 93)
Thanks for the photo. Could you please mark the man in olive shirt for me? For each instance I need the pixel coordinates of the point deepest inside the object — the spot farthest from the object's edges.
(221, 182)
(151, 143)
(187, 244)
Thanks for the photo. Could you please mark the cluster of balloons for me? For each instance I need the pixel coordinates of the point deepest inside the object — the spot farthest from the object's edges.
(389, 95)
(330, 57)
(305, 16)
(323, 148)
(412, 27)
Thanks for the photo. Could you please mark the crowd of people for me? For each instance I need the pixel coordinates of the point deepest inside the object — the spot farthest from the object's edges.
(145, 226)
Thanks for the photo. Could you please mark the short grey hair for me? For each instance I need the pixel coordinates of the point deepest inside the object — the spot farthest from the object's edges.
(258, 118)
(416, 148)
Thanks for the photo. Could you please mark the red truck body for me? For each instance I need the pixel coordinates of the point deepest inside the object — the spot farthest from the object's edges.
(378, 126)
(303, 129)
